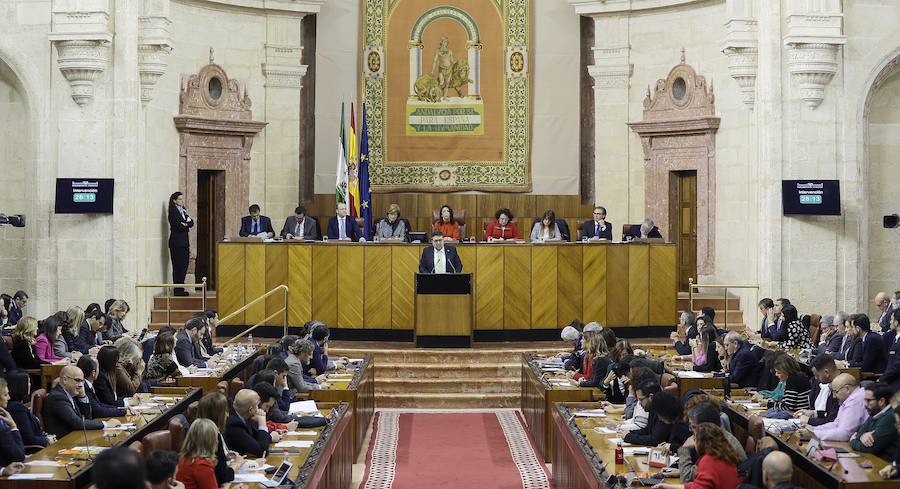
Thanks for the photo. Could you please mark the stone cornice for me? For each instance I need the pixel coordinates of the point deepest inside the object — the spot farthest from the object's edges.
(269, 6)
(201, 125)
(606, 7)
(685, 126)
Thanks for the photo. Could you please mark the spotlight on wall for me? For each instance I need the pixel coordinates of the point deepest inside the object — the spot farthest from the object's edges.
(892, 221)
(14, 220)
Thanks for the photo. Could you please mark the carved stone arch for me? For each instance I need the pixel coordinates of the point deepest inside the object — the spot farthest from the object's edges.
(678, 134)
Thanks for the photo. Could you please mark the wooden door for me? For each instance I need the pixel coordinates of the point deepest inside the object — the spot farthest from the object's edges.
(210, 222)
(685, 226)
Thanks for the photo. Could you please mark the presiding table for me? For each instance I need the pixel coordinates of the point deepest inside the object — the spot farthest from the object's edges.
(515, 286)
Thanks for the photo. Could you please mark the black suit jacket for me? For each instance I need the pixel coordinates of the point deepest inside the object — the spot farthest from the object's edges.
(892, 369)
(744, 367)
(28, 424)
(831, 407)
(426, 262)
(62, 418)
(310, 228)
(105, 393)
(14, 314)
(243, 438)
(635, 232)
(6, 360)
(589, 229)
(870, 357)
(653, 434)
(102, 409)
(178, 229)
(186, 352)
(265, 225)
(351, 227)
(11, 447)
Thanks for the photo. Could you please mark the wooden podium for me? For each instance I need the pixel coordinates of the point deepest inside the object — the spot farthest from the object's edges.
(443, 310)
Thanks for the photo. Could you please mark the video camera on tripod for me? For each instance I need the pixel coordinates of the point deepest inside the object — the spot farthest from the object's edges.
(14, 220)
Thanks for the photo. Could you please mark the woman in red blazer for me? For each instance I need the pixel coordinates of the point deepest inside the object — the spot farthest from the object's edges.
(196, 467)
(717, 465)
(502, 227)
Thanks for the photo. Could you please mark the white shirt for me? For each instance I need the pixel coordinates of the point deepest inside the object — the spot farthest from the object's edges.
(440, 261)
(298, 229)
(822, 398)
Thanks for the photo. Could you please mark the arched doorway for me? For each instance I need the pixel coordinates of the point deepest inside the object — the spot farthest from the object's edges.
(18, 181)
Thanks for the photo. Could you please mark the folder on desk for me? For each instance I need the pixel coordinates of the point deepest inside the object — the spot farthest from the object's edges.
(306, 407)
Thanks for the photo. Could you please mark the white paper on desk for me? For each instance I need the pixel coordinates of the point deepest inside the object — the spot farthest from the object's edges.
(635, 450)
(31, 476)
(303, 407)
(301, 433)
(604, 430)
(354, 360)
(340, 375)
(754, 406)
(43, 463)
(294, 444)
(251, 477)
(121, 427)
(582, 414)
(690, 374)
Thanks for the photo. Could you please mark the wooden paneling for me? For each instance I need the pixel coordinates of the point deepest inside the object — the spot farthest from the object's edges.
(663, 263)
(544, 287)
(617, 292)
(489, 288)
(594, 291)
(469, 258)
(300, 284)
(350, 286)
(254, 281)
(324, 273)
(443, 315)
(569, 275)
(230, 267)
(517, 287)
(638, 285)
(276, 274)
(377, 313)
(404, 265)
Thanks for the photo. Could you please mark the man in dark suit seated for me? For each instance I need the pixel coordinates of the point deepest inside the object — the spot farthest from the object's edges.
(892, 344)
(100, 410)
(342, 226)
(67, 409)
(873, 357)
(187, 344)
(245, 430)
(300, 226)
(645, 230)
(776, 328)
(823, 405)
(17, 307)
(256, 225)
(744, 367)
(598, 227)
(439, 258)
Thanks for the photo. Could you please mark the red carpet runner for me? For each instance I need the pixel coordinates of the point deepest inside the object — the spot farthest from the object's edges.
(453, 451)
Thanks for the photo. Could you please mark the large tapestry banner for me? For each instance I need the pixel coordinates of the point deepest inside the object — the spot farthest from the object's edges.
(447, 86)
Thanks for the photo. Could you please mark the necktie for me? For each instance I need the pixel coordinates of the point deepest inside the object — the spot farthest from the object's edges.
(297, 229)
(256, 226)
(342, 225)
(597, 229)
(439, 266)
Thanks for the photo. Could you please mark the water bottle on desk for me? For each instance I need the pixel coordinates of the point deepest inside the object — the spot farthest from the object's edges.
(250, 339)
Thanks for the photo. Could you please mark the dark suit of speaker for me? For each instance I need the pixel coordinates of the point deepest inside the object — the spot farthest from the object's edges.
(179, 244)
(351, 228)
(590, 229)
(263, 226)
(426, 262)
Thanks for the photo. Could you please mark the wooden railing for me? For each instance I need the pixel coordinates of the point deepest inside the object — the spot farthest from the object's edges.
(202, 285)
(252, 303)
(725, 287)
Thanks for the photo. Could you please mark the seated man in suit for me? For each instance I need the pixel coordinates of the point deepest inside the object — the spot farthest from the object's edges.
(871, 355)
(67, 409)
(300, 226)
(91, 331)
(245, 430)
(256, 225)
(88, 367)
(645, 230)
(743, 369)
(187, 344)
(438, 258)
(599, 227)
(892, 345)
(17, 307)
(342, 226)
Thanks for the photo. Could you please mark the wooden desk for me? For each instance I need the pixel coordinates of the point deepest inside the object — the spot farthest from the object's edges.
(359, 393)
(517, 286)
(328, 463)
(538, 397)
(237, 368)
(584, 458)
(808, 473)
(76, 471)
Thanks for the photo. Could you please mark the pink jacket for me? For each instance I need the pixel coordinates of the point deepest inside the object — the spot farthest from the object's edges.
(44, 348)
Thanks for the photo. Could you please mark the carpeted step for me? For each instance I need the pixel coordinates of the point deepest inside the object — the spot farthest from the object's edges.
(447, 371)
(447, 401)
(450, 386)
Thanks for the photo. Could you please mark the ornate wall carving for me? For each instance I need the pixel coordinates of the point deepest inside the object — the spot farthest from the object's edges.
(678, 133)
(154, 45)
(741, 47)
(814, 36)
(216, 132)
(80, 31)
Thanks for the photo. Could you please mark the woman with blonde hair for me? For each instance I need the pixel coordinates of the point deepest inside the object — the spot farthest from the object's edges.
(130, 367)
(115, 325)
(595, 363)
(196, 466)
(68, 341)
(392, 227)
(214, 407)
(23, 350)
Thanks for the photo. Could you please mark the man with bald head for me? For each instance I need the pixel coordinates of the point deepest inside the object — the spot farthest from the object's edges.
(245, 430)
(851, 413)
(884, 304)
(67, 408)
(777, 471)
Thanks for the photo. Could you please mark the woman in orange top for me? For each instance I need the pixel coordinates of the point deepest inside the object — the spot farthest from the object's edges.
(502, 227)
(196, 467)
(446, 225)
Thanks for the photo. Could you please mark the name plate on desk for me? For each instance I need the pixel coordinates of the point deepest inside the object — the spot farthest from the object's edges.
(443, 283)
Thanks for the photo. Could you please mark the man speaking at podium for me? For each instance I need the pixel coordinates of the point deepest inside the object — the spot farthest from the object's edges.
(438, 258)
